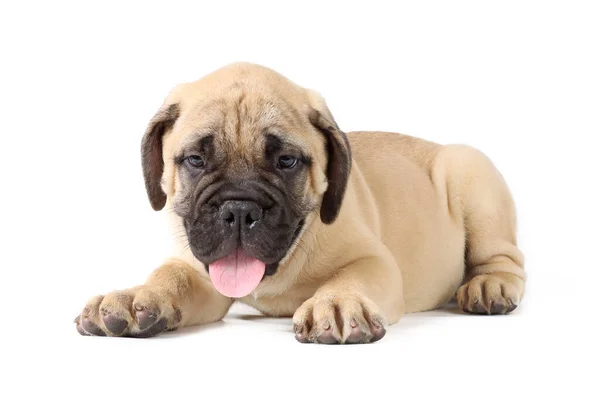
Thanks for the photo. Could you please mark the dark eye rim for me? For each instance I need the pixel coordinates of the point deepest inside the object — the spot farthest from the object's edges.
(194, 161)
(294, 162)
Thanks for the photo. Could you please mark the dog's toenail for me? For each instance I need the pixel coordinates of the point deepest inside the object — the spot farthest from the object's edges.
(158, 327)
(326, 338)
(145, 318)
(496, 308)
(355, 337)
(115, 325)
(91, 327)
(81, 331)
(301, 338)
(178, 316)
(378, 334)
(478, 308)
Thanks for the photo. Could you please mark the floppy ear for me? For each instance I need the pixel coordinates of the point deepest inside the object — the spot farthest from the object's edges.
(339, 161)
(152, 157)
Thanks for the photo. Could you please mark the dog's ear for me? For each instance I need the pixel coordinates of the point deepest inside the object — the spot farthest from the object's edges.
(152, 157)
(339, 158)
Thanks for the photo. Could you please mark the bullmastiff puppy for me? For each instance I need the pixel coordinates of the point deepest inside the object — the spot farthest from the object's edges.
(280, 209)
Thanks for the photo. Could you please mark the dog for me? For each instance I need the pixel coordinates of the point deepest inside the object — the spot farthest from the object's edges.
(285, 212)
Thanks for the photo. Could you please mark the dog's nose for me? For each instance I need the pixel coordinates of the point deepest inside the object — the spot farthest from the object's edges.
(241, 214)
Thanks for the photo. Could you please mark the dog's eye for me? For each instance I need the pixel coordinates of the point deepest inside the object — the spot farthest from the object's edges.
(195, 161)
(287, 162)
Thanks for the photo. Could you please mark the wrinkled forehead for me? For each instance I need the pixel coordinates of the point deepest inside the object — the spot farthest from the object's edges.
(241, 116)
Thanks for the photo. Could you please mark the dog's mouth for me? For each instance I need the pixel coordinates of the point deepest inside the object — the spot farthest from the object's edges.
(239, 274)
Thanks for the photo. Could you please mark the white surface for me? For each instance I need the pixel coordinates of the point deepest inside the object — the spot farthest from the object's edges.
(519, 80)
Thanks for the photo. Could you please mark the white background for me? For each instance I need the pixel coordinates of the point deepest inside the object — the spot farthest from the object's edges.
(79, 82)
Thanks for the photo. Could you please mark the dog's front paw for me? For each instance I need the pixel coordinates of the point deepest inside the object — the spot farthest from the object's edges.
(332, 319)
(141, 312)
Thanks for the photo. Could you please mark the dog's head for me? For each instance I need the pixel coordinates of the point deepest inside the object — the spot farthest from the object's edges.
(244, 156)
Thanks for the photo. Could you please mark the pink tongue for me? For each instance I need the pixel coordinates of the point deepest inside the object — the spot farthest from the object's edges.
(236, 275)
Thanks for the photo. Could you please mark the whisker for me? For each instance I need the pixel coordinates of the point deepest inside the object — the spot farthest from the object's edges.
(185, 248)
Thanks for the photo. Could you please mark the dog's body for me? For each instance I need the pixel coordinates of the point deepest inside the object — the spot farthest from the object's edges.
(399, 209)
(395, 228)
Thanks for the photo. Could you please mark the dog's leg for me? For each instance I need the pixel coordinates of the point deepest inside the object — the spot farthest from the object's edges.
(479, 198)
(174, 295)
(355, 305)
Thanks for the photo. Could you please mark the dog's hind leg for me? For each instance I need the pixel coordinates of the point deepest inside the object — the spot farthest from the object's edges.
(479, 198)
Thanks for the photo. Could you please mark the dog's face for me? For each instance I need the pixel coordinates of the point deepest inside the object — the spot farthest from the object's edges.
(244, 156)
